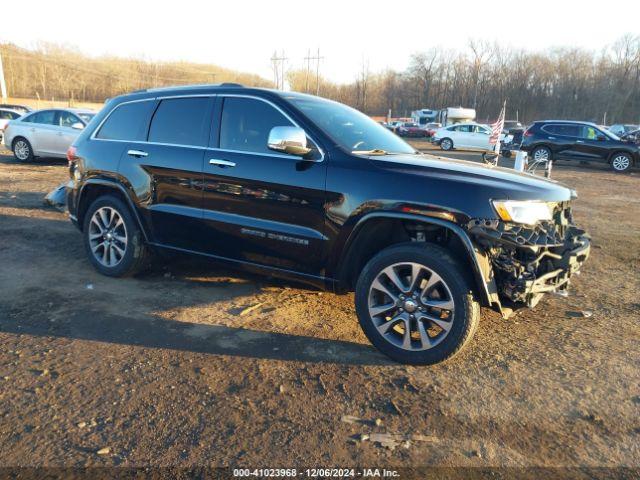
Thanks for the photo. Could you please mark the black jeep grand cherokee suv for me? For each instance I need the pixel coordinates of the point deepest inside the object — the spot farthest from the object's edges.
(312, 190)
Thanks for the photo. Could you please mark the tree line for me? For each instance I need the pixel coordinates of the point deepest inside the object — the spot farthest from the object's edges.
(54, 72)
(569, 83)
(563, 83)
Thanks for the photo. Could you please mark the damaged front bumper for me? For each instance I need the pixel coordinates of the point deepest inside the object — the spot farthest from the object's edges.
(528, 261)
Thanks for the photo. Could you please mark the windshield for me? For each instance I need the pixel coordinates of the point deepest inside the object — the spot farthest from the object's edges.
(350, 129)
(86, 116)
(609, 134)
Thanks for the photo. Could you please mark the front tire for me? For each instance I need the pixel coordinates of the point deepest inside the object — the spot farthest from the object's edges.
(112, 238)
(22, 149)
(446, 144)
(621, 162)
(416, 305)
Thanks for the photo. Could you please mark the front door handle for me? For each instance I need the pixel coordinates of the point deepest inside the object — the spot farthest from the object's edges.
(221, 163)
(137, 153)
(579, 141)
(552, 138)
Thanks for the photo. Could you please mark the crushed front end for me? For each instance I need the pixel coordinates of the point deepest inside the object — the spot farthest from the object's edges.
(528, 261)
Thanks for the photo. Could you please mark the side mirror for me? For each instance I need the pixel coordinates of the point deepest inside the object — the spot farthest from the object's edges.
(77, 126)
(601, 138)
(290, 140)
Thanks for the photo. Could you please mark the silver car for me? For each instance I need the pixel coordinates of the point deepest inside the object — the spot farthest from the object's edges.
(45, 133)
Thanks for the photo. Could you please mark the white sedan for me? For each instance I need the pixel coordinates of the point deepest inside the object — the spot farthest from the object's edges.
(46, 133)
(467, 136)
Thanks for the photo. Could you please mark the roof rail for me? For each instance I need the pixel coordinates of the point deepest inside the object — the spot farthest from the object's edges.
(203, 85)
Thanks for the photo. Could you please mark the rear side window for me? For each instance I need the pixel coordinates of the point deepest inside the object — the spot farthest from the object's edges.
(127, 122)
(5, 115)
(246, 123)
(181, 121)
(46, 117)
(561, 129)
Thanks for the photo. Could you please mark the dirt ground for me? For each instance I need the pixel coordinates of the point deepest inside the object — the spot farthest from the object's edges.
(175, 369)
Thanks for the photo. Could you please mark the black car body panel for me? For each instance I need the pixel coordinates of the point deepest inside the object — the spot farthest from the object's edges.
(295, 217)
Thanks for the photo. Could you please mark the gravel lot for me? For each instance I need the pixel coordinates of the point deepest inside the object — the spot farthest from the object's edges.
(192, 364)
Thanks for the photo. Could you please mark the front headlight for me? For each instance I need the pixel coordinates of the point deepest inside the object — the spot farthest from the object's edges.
(527, 212)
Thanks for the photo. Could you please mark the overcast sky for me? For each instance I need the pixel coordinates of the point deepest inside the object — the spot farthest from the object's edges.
(243, 34)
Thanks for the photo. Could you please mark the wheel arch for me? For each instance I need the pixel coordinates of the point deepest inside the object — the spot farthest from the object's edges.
(626, 152)
(545, 145)
(95, 188)
(359, 249)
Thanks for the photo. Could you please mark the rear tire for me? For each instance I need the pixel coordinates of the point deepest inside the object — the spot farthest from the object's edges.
(621, 162)
(22, 149)
(422, 271)
(541, 153)
(112, 238)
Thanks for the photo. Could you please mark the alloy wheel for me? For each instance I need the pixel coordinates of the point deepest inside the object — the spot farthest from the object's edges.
(411, 306)
(107, 236)
(21, 150)
(621, 163)
(446, 145)
(541, 154)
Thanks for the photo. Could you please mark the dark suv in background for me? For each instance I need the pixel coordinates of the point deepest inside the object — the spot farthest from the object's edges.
(584, 141)
(312, 190)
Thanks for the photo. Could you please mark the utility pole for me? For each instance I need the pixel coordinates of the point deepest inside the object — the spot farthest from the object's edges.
(317, 58)
(278, 71)
(3, 84)
(306, 82)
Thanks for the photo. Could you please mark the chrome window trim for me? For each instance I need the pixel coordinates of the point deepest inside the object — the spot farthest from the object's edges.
(206, 95)
(245, 152)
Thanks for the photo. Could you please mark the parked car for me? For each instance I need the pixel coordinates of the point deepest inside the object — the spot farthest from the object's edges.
(620, 129)
(633, 136)
(45, 133)
(431, 128)
(6, 115)
(309, 189)
(393, 126)
(584, 141)
(18, 108)
(511, 125)
(469, 136)
(410, 129)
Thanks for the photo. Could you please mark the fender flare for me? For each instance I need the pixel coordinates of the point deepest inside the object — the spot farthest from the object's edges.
(125, 193)
(482, 272)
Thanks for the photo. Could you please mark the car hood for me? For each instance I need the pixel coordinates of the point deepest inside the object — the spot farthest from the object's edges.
(507, 184)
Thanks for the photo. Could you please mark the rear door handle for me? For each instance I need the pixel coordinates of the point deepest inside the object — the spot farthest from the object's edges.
(137, 153)
(221, 163)
(552, 138)
(579, 141)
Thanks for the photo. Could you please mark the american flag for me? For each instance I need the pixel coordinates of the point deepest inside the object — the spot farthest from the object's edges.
(497, 127)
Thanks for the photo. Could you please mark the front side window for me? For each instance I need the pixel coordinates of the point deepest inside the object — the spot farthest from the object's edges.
(127, 122)
(67, 119)
(588, 132)
(181, 121)
(246, 123)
